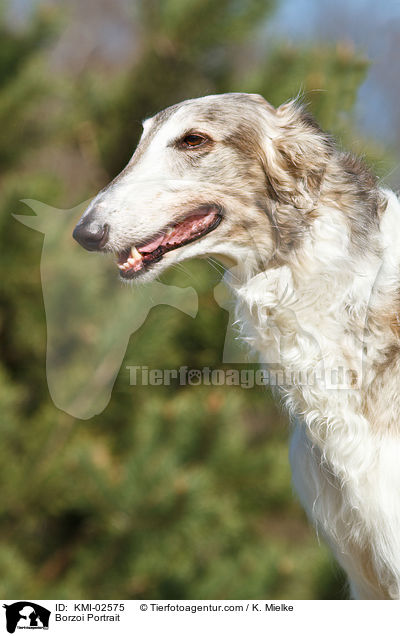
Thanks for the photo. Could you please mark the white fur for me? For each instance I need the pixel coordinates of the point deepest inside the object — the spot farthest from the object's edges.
(346, 474)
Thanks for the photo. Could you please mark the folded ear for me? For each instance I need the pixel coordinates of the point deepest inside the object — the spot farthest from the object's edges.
(295, 157)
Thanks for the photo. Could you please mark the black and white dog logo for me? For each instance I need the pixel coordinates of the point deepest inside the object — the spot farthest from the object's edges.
(26, 615)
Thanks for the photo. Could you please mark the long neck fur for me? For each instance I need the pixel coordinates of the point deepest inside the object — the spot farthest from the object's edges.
(330, 299)
(330, 305)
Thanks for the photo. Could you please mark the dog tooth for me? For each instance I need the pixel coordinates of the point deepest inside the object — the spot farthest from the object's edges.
(134, 253)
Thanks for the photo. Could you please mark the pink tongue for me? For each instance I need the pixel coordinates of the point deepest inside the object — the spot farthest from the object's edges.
(181, 232)
(150, 247)
(188, 228)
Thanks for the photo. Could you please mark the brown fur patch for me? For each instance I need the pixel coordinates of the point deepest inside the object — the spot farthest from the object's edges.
(350, 187)
(383, 415)
(394, 322)
(301, 154)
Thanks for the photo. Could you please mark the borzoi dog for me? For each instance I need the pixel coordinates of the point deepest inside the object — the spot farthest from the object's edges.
(313, 246)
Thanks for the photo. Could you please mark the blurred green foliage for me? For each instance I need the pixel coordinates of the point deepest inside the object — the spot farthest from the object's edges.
(172, 492)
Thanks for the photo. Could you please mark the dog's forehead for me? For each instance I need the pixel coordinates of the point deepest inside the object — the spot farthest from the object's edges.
(212, 111)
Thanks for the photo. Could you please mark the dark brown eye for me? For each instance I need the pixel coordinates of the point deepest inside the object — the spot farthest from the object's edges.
(193, 140)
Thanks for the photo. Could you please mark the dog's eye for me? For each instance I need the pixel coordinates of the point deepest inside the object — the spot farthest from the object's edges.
(193, 140)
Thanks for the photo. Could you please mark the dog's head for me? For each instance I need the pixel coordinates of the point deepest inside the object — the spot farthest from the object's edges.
(223, 175)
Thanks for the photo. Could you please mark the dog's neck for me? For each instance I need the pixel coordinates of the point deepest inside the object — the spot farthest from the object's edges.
(324, 311)
(336, 274)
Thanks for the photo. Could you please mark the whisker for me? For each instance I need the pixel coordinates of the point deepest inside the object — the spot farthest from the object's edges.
(214, 265)
(183, 269)
(213, 262)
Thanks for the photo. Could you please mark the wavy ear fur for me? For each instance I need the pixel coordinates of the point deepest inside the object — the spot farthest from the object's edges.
(296, 157)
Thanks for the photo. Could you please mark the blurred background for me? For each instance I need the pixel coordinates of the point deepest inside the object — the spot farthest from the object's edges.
(170, 492)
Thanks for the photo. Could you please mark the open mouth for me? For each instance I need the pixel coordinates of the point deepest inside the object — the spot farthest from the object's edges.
(131, 262)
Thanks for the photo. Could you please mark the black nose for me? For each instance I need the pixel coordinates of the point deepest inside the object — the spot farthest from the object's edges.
(91, 236)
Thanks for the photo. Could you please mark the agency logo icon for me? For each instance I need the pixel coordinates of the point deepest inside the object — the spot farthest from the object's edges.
(26, 615)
